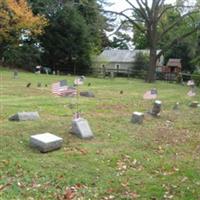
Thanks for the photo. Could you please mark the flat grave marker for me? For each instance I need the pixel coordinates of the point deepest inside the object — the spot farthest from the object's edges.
(45, 142)
(137, 117)
(25, 116)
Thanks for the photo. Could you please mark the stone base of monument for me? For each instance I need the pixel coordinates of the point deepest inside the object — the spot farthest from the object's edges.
(137, 117)
(156, 108)
(45, 142)
(81, 128)
(87, 94)
(25, 116)
(194, 104)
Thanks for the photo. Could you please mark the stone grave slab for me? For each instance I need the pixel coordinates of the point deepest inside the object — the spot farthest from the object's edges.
(45, 142)
(81, 128)
(25, 116)
(87, 94)
(137, 117)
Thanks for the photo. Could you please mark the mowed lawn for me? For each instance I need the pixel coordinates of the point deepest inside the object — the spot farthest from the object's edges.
(157, 160)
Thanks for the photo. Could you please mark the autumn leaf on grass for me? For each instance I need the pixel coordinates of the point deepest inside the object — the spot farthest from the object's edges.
(70, 193)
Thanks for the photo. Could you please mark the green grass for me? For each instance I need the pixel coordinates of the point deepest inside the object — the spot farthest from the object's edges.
(156, 160)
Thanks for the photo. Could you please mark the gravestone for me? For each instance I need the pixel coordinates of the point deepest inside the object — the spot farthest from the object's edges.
(137, 117)
(45, 142)
(194, 104)
(39, 84)
(15, 74)
(28, 85)
(81, 128)
(87, 94)
(176, 106)
(25, 116)
(63, 83)
(154, 91)
(156, 108)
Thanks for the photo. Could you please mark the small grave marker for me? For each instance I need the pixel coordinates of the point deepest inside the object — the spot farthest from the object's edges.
(45, 142)
(81, 128)
(194, 104)
(156, 108)
(137, 117)
(25, 116)
(15, 74)
(87, 94)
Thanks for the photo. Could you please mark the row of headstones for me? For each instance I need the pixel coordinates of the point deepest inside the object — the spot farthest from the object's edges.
(48, 142)
(138, 117)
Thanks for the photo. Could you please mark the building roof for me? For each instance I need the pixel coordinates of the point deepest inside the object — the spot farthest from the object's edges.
(174, 62)
(118, 55)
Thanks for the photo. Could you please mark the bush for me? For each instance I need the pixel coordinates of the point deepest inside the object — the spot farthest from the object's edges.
(196, 78)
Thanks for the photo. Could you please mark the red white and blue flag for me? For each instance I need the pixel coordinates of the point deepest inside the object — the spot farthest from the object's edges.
(62, 89)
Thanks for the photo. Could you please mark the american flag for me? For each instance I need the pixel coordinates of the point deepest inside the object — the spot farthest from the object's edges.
(61, 89)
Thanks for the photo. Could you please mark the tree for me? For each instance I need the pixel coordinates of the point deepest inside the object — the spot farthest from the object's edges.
(17, 21)
(147, 19)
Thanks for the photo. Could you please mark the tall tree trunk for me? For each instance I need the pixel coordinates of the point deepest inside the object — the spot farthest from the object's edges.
(152, 66)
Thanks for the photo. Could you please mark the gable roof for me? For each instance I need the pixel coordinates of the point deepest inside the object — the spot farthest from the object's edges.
(119, 55)
(174, 62)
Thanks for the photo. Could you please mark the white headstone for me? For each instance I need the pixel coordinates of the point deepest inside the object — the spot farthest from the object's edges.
(45, 142)
(81, 128)
(137, 117)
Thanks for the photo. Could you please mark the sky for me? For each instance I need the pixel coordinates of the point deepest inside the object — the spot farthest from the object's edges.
(120, 5)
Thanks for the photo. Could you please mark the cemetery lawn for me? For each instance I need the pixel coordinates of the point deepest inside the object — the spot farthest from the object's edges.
(157, 160)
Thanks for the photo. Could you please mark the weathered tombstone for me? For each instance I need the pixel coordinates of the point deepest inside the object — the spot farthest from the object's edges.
(28, 85)
(154, 91)
(194, 104)
(15, 74)
(63, 83)
(54, 72)
(137, 117)
(87, 94)
(156, 108)
(39, 84)
(25, 116)
(45, 142)
(81, 128)
(176, 106)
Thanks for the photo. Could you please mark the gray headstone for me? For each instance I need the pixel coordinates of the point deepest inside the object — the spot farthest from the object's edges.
(63, 83)
(194, 104)
(156, 108)
(87, 94)
(137, 117)
(45, 142)
(81, 128)
(154, 91)
(15, 74)
(25, 116)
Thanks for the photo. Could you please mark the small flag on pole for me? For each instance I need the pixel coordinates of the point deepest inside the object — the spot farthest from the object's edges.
(62, 89)
(151, 94)
(79, 80)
